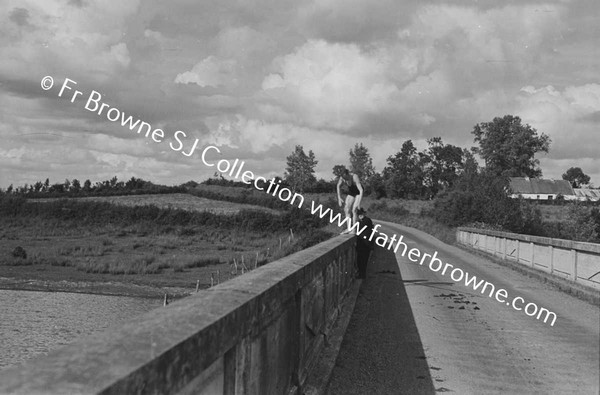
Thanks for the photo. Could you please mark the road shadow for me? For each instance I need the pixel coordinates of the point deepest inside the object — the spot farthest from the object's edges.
(381, 352)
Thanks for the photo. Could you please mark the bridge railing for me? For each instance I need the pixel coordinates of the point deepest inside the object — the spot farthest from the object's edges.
(572, 260)
(259, 333)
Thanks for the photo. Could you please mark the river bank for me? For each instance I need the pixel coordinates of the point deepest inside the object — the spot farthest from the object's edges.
(93, 288)
(50, 278)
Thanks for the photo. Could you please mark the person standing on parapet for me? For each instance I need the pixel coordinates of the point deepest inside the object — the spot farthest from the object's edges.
(354, 197)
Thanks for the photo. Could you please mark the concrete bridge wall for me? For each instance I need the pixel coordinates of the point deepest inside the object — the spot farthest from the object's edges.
(259, 333)
(571, 260)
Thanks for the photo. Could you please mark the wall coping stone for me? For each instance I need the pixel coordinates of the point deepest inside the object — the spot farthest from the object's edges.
(560, 243)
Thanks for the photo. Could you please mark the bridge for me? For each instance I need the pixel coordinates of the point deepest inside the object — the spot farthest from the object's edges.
(304, 325)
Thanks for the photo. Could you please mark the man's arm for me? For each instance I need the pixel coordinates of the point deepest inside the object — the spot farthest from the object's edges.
(339, 194)
(360, 190)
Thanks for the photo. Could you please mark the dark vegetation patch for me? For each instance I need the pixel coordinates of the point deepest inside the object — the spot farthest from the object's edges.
(100, 240)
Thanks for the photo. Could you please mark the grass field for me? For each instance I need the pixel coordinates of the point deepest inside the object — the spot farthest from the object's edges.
(146, 253)
(130, 255)
(175, 201)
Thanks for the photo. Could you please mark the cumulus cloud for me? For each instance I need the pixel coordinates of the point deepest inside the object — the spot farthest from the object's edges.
(153, 34)
(53, 37)
(443, 54)
(243, 42)
(352, 20)
(330, 85)
(210, 71)
(480, 42)
(563, 115)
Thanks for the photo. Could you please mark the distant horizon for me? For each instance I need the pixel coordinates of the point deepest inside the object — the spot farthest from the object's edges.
(587, 186)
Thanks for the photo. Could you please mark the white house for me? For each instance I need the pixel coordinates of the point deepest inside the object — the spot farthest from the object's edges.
(541, 189)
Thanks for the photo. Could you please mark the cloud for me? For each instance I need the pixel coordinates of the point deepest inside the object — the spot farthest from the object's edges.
(352, 21)
(53, 37)
(211, 71)
(330, 85)
(565, 116)
(481, 49)
(243, 43)
(20, 16)
(153, 34)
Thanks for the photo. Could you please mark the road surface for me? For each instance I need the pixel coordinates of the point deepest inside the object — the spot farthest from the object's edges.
(415, 331)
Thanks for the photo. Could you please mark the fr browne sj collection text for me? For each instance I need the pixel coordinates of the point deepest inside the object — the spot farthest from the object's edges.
(95, 104)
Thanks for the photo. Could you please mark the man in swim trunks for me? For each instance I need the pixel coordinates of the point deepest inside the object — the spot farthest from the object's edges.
(354, 197)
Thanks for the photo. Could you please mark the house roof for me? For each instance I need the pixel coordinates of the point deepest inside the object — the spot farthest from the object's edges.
(535, 186)
(587, 193)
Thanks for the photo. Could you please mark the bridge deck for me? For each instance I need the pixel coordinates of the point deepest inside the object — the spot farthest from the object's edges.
(415, 331)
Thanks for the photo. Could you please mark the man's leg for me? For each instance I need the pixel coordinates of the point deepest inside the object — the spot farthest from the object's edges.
(355, 204)
(348, 211)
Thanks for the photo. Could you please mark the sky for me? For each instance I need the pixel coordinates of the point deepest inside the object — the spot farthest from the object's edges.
(256, 78)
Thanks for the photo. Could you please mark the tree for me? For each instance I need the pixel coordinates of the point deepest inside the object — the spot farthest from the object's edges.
(75, 185)
(87, 185)
(300, 170)
(576, 177)
(113, 182)
(46, 185)
(134, 183)
(470, 166)
(361, 163)
(508, 147)
(404, 175)
(324, 186)
(378, 186)
(38, 186)
(444, 162)
(58, 188)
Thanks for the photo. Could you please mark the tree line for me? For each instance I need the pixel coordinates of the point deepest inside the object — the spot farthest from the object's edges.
(506, 146)
(69, 188)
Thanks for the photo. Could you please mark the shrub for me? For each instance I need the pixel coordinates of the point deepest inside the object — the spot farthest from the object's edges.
(479, 198)
(392, 212)
(581, 225)
(201, 262)
(532, 219)
(19, 252)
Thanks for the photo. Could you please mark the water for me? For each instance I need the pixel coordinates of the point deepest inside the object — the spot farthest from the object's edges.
(33, 323)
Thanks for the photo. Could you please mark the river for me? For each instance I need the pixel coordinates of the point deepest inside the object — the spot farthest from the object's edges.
(34, 323)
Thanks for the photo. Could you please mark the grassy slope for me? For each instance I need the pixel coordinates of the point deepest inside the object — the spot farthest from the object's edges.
(177, 201)
(142, 252)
